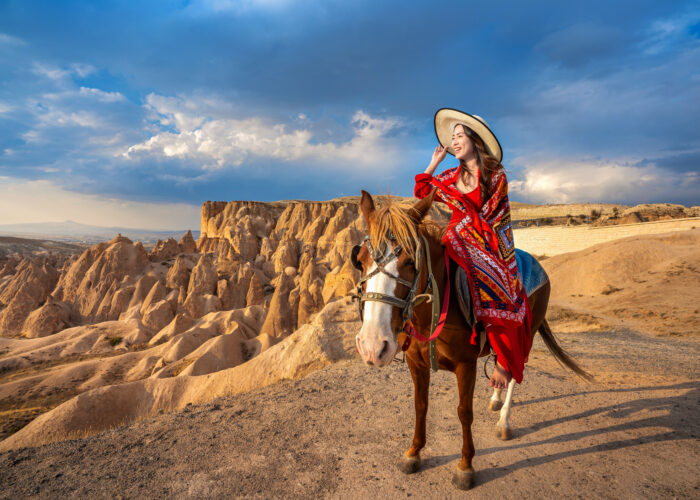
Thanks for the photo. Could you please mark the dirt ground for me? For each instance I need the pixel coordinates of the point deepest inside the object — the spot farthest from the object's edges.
(338, 433)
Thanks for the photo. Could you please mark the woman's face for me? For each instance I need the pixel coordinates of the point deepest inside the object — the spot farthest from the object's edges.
(462, 144)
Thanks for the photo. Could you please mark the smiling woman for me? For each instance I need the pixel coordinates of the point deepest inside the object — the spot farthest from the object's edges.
(479, 237)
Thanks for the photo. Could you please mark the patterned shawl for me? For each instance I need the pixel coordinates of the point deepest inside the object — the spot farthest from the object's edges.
(496, 287)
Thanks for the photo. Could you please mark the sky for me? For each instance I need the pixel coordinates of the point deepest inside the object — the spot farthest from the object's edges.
(123, 113)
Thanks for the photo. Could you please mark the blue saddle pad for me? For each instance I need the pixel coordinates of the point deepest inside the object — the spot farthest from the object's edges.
(531, 271)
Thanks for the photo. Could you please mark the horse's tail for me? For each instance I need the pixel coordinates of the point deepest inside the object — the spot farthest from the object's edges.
(560, 354)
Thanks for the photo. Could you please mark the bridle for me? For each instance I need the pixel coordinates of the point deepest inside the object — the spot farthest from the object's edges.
(412, 299)
(406, 305)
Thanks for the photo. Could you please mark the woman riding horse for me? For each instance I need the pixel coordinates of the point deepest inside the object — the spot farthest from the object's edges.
(405, 287)
(407, 282)
(479, 236)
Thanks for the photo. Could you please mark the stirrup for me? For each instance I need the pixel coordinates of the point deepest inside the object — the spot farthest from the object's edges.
(486, 362)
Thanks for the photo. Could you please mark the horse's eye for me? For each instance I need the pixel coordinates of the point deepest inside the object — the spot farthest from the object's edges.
(353, 257)
(410, 262)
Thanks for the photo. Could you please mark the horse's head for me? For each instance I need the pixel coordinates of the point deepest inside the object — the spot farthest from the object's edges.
(391, 274)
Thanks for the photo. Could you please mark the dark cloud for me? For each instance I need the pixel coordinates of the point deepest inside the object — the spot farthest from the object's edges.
(681, 162)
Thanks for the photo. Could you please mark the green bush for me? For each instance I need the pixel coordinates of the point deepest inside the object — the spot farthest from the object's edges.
(114, 340)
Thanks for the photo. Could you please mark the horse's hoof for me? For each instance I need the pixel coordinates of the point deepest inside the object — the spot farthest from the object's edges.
(503, 433)
(409, 465)
(495, 405)
(463, 479)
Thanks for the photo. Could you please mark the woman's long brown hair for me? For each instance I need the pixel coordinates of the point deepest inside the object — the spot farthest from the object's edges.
(487, 163)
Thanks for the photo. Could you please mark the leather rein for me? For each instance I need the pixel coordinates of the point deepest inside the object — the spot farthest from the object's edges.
(412, 299)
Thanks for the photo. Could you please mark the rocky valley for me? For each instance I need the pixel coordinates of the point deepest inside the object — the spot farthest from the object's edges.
(114, 334)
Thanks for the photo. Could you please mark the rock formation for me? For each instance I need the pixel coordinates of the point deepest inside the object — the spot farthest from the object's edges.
(258, 272)
(23, 291)
(187, 243)
(92, 280)
(329, 338)
(164, 250)
(48, 319)
(243, 258)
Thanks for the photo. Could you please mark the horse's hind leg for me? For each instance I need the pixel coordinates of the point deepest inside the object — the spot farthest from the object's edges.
(466, 376)
(502, 427)
(410, 461)
(495, 402)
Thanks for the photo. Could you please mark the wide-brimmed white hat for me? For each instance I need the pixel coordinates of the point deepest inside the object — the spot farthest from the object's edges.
(447, 118)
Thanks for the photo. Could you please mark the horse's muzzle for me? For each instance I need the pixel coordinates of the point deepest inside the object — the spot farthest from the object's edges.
(377, 352)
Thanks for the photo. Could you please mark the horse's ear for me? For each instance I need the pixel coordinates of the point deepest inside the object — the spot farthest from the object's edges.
(418, 211)
(366, 206)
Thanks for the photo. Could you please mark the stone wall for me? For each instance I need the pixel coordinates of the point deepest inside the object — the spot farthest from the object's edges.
(561, 239)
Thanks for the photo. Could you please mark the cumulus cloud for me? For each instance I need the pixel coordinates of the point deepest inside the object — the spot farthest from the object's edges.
(60, 73)
(567, 181)
(102, 95)
(50, 72)
(229, 141)
(81, 118)
(50, 202)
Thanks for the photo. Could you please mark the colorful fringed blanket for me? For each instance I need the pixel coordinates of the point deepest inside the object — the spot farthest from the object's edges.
(489, 259)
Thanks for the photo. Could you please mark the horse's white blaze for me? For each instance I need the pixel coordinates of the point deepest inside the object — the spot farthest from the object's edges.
(505, 410)
(376, 325)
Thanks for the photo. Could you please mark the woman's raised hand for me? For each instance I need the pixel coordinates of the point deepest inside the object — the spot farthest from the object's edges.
(438, 155)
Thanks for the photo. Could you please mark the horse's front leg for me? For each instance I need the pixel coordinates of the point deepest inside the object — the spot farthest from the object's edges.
(503, 427)
(466, 376)
(410, 461)
(495, 402)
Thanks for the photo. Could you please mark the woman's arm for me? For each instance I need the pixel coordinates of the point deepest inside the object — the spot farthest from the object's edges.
(423, 187)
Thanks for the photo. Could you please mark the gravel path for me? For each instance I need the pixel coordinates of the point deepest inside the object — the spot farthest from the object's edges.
(338, 433)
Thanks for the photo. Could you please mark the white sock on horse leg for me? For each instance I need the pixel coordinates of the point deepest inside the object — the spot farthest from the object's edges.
(505, 411)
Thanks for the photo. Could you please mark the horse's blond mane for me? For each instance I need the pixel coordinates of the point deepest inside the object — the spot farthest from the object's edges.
(395, 219)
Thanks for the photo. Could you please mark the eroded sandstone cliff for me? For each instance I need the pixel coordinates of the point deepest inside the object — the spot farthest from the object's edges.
(118, 313)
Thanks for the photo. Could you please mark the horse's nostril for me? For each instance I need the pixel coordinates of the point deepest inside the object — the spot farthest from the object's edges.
(385, 346)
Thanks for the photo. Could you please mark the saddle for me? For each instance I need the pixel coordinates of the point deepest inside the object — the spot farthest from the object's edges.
(532, 274)
(464, 299)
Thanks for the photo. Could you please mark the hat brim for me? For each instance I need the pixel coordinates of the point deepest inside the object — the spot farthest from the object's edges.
(447, 118)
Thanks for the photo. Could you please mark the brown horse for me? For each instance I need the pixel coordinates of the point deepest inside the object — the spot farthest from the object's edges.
(395, 282)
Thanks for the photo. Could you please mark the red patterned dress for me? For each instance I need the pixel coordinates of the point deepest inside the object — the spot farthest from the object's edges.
(479, 238)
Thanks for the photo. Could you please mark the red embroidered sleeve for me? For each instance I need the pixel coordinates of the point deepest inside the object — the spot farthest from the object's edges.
(423, 187)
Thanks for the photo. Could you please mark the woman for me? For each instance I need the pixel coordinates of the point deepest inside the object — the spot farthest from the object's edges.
(479, 237)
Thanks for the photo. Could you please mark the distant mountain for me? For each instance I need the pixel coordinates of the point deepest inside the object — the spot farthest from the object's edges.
(71, 231)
